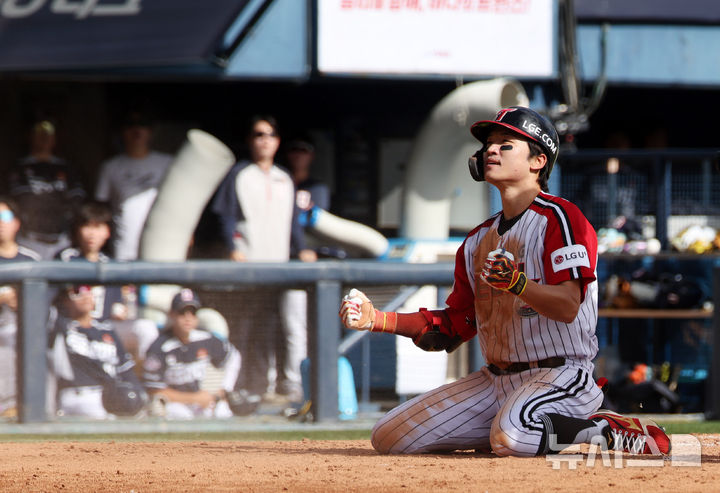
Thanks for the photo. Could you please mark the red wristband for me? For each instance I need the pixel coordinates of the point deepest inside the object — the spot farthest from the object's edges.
(385, 322)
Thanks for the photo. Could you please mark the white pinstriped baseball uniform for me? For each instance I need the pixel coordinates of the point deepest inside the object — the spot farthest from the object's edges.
(552, 242)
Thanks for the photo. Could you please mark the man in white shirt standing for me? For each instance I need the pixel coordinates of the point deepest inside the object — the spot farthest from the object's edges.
(130, 181)
(256, 206)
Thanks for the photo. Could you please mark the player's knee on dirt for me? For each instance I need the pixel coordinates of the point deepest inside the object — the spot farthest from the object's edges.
(507, 440)
(389, 439)
(380, 440)
(398, 441)
(503, 443)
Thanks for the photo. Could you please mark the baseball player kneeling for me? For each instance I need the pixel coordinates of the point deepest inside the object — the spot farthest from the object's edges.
(525, 283)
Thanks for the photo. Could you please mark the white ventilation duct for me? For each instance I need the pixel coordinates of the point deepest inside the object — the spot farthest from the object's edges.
(195, 173)
(438, 186)
(345, 232)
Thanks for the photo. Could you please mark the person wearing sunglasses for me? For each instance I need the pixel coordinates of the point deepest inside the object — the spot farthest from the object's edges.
(10, 252)
(258, 217)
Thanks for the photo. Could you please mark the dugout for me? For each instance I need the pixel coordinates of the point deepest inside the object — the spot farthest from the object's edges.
(227, 60)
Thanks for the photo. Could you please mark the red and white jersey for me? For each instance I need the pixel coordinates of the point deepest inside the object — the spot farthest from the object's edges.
(552, 242)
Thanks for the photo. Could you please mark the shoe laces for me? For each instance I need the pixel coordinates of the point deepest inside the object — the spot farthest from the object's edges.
(629, 441)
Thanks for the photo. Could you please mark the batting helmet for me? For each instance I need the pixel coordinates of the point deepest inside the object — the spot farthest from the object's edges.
(525, 122)
(242, 402)
(123, 398)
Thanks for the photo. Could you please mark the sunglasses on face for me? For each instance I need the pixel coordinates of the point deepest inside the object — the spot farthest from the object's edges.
(257, 135)
(7, 216)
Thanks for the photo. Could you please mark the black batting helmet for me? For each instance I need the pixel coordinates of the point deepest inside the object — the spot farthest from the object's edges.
(242, 402)
(123, 398)
(526, 122)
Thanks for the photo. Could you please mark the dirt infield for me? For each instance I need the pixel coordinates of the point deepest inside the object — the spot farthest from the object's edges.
(324, 466)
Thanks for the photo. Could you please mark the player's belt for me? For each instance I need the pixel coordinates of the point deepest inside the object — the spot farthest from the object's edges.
(553, 362)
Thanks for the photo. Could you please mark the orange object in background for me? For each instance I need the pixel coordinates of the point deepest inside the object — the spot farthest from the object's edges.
(639, 373)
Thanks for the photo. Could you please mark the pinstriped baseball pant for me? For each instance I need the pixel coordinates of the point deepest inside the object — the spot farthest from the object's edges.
(488, 412)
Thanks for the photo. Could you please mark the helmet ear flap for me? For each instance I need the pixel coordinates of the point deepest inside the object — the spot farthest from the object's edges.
(475, 165)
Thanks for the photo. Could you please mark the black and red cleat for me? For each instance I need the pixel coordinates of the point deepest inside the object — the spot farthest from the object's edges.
(634, 435)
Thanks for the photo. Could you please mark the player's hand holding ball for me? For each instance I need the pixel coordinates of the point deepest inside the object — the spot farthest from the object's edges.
(500, 272)
(357, 311)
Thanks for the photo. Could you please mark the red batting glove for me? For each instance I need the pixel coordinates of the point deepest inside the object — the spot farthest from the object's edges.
(501, 273)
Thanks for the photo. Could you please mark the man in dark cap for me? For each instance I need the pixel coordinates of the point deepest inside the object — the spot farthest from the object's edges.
(176, 363)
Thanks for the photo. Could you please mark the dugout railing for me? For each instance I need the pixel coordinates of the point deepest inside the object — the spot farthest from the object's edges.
(324, 280)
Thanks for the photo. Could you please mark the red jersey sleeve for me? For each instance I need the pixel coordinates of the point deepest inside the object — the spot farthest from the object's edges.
(461, 301)
(570, 244)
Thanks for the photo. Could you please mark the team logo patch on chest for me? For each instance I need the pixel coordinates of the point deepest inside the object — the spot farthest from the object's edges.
(523, 309)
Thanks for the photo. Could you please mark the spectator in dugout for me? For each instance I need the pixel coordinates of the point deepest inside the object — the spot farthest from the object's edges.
(255, 206)
(129, 182)
(177, 361)
(46, 188)
(89, 360)
(92, 228)
(10, 251)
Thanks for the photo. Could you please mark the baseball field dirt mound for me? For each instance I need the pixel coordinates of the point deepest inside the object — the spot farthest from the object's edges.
(333, 466)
